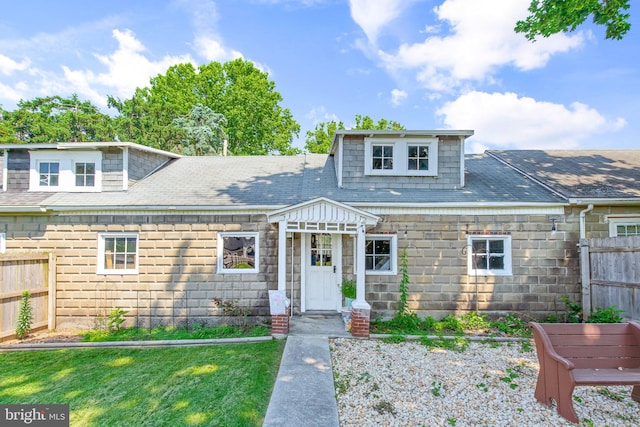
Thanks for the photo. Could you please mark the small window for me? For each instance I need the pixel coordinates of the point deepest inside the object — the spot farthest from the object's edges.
(381, 157)
(380, 254)
(118, 253)
(49, 174)
(85, 174)
(489, 256)
(622, 227)
(418, 157)
(321, 250)
(238, 253)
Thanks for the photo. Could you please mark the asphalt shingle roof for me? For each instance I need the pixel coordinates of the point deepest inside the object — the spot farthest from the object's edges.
(285, 180)
(606, 174)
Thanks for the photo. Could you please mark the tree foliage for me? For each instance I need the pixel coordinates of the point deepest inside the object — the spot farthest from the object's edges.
(549, 17)
(204, 134)
(256, 122)
(56, 119)
(319, 140)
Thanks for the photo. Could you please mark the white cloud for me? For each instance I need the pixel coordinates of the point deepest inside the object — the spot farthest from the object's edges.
(213, 50)
(127, 69)
(481, 39)
(8, 66)
(504, 120)
(373, 15)
(398, 97)
(319, 114)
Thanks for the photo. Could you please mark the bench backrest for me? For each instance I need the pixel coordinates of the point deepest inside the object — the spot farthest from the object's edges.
(596, 345)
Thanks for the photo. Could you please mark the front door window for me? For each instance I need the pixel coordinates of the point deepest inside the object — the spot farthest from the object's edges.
(321, 250)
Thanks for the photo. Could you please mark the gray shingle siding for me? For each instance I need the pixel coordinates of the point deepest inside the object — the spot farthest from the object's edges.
(112, 169)
(353, 172)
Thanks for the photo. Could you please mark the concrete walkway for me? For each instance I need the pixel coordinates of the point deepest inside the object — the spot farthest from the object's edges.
(304, 394)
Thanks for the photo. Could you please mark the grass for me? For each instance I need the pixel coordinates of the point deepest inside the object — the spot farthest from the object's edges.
(220, 385)
(176, 333)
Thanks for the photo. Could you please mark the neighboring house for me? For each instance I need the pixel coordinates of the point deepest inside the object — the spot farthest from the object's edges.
(601, 187)
(162, 235)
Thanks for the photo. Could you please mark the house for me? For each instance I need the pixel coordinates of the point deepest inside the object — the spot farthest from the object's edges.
(162, 235)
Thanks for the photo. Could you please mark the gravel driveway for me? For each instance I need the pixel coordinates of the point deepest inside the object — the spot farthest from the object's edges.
(407, 384)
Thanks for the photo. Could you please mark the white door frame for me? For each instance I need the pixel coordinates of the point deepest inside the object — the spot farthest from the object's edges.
(336, 258)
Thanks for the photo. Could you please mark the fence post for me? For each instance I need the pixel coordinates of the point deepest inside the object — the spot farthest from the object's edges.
(52, 291)
(585, 273)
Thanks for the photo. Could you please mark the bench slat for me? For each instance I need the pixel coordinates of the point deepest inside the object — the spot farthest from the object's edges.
(586, 328)
(607, 376)
(564, 340)
(611, 352)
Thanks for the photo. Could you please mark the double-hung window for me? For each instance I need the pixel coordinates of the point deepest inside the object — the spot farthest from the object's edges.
(401, 156)
(380, 254)
(117, 253)
(238, 252)
(489, 255)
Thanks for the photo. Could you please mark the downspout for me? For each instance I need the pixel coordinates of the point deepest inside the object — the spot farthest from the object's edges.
(5, 169)
(583, 232)
(293, 236)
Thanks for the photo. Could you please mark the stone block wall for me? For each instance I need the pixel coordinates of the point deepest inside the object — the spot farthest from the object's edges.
(545, 266)
(177, 279)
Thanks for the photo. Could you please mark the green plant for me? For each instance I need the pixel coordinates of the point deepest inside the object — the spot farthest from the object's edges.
(451, 421)
(403, 308)
(474, 321)
(385, 407)
(232, 309)
(395, 339)
(25, 316)
(510, 377)
(482, 386)
(605, 315)
(436, 387)
(348, 288)
(456, 344)
(574, 311)
(513, 325)
(116, 319)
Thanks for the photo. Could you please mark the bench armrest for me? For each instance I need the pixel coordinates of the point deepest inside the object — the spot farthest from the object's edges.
(544, 343)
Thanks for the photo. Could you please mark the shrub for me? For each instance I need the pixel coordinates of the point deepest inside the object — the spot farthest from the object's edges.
(25, 316)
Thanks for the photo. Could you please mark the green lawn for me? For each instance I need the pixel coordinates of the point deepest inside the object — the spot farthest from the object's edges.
(219, 385)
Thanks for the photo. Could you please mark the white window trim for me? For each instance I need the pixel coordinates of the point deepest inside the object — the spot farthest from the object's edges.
(3, 243)
(100, 262)
(507, 271)
(401, 156)
(393, 248)
(614, 222)
(220, 254)
(66, 161)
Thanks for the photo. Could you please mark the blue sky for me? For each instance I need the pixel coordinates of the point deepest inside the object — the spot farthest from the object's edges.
(454, 64)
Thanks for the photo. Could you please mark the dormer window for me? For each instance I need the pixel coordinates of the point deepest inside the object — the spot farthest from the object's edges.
(401, 157)
(73, 171)
(85, 174)
(49, 174)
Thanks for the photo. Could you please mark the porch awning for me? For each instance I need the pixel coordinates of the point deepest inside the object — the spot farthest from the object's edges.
(323, 215)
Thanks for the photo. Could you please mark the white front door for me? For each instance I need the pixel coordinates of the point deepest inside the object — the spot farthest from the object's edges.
(323, 269)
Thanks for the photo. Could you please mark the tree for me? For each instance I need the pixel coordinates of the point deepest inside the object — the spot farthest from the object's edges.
(319, 140)
(256, 122)
(555, 16)
(58, 119)
(204, 132)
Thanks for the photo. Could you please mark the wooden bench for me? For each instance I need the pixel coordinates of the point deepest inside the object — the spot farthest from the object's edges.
(572, 354)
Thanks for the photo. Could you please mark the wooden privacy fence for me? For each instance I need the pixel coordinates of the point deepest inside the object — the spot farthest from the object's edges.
(33, 272)
(610, 269)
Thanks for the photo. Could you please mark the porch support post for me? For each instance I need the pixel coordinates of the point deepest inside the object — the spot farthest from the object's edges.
(282, 255)
(360, 263)
(360, 309)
